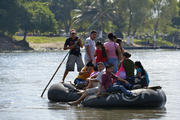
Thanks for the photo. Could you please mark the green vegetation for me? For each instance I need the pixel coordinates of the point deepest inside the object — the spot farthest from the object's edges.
(37, 39)
(150, 42)
(157, 19)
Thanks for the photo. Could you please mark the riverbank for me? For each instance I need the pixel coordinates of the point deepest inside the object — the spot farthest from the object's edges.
(35, 43)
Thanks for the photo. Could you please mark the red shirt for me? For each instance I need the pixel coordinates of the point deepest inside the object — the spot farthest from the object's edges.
(107, 79)
(99, 57)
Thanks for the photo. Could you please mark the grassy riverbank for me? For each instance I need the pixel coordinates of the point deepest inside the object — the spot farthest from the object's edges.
(41, 43)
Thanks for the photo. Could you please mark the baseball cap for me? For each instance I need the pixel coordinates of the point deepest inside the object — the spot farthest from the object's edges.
(73, 31)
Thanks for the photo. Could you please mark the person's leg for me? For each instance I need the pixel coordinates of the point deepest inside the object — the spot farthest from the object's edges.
(79, 63)
(114, 62)
(124, 90)
(64, 76)
(115, 65)
(79, 100)
(86, 93)
(69, 66)
(118, 88)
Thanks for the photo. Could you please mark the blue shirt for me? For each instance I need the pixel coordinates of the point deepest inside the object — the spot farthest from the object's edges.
(146, 75)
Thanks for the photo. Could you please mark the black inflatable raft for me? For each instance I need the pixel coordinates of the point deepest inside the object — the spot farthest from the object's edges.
(153, 97)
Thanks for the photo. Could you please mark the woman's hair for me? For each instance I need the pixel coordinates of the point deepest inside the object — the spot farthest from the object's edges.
(139, 65)
(103, 49)
(111, 36)
(119, 40)
(127, 55)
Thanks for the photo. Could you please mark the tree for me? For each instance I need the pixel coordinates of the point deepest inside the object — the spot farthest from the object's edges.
(38, 18)
(9, 16)
(135, 13)
(97, 13)
(63, 12)
(163, 12)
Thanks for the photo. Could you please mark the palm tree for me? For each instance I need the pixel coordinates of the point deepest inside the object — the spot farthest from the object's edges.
(63, 12)
(97, 13)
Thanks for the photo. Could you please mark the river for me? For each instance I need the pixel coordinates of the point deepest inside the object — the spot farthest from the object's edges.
(23, 76)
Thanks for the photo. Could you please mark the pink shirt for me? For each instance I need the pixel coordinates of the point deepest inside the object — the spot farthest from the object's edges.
(111, 50)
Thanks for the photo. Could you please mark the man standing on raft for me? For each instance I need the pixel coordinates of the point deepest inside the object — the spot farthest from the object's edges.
(73, 43)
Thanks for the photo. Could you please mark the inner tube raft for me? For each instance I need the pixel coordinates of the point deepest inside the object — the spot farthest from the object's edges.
(152, 97)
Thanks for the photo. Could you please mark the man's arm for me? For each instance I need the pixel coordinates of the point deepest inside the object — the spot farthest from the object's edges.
(88, 52)
(80, 43)
(66, 47)
(120, 79)
(119, 52)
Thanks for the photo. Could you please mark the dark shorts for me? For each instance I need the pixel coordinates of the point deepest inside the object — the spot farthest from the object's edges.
(72, 59)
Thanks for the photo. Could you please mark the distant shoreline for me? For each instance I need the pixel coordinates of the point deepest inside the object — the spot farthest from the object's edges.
(11, 45)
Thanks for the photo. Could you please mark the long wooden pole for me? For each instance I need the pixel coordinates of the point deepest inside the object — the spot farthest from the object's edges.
(54, 75)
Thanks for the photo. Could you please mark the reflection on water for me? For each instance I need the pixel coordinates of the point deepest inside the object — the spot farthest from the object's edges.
(81, 113)
(23, 77)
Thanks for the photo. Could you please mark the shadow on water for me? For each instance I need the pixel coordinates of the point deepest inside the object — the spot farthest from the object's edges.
(85, 113)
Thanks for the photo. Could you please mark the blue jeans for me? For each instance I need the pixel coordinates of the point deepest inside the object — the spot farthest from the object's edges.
(79, 81)
(118, 88)
(114, 62)
(127, 86)
(131, 80)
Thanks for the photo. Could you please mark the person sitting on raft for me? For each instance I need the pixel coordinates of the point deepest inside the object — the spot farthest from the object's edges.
(92, 90)
(81, 82)
(94, 80)
(108, 85)
(128, 70)
(142, 75)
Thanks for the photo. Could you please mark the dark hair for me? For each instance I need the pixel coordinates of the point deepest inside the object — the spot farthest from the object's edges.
(138, 64)
(119, 40)
(104, 55)
(127, 55)
(115, 37)
(111, 36)
(89, 64)
(93, 31)
(109, 66)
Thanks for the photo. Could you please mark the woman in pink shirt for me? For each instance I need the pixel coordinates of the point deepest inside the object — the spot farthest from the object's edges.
(112, 50)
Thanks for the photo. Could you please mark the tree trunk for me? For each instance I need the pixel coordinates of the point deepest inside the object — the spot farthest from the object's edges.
(130, 22)
(132, 37)
(25, 35)
(155, 32)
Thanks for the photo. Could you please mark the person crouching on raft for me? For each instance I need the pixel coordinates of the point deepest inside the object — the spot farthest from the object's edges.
(108, 85)
(93, 89)
(81, 82)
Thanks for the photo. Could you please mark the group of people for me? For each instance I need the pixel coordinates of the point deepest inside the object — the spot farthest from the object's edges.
(108, 67)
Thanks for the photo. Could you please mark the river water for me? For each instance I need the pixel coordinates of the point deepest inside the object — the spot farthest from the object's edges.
(23, 76)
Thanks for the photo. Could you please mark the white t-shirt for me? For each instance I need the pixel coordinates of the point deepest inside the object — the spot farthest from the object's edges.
(99, 76)
(92, 47)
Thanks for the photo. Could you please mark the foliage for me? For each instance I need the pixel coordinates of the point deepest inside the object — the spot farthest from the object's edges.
(40, 18)
(63, 12)
(8, 17)
(128, 17)
(37, 39)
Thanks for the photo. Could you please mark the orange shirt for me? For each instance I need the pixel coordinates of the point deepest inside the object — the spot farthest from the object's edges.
(85, 75)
